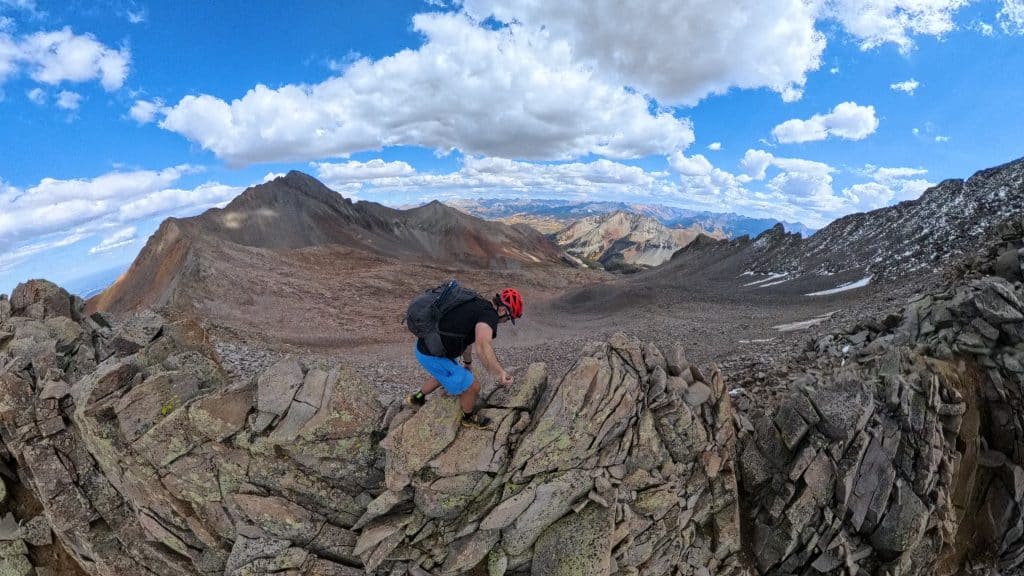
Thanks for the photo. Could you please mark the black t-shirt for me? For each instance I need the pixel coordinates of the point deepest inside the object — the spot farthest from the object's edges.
(458, 326)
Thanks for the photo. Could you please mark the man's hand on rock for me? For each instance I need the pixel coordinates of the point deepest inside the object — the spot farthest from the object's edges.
(505, 379)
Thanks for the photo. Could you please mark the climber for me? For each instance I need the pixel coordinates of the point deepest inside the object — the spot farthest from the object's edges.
(471, 322)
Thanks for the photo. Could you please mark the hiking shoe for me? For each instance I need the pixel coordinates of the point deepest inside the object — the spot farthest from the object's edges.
(415, 401)
(475, 421)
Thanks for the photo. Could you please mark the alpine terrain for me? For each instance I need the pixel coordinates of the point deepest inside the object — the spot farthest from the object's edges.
(847, 403)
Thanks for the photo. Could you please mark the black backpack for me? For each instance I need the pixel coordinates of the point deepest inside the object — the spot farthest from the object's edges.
(427, 309)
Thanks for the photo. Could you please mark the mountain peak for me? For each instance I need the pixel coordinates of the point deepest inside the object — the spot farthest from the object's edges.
(308, 185)
(298, 176)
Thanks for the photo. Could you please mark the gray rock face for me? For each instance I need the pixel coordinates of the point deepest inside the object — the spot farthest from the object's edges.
(589, 468)
(154, 447)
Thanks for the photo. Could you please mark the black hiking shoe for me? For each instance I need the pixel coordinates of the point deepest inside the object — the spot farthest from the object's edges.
(475, 420)
(416, 400)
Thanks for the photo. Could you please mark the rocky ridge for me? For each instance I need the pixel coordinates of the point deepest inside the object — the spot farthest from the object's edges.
(916, 236)
(895, 447)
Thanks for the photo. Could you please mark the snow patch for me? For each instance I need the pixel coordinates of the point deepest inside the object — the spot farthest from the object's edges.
(803, 324)
(843, 287)
(772, 276)
(774, 283)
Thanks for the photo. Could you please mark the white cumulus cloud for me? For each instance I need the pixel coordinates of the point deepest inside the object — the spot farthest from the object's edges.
(494, 177)
(37, 96)
(887, 186)
(755, 163)
(690, 166)
(354, 171)
(56, 205)
(793, 189)
(907, 86)
(63, 56)
(498, 93)
(847, 120)
(1011, 17)
(18, 254)
(177, 201)
(69, 100)
(9, 54)
(145, 111)
(878, 22)
(798, 190)
(118, 239)
(745, 44)
(715, 146)
(56, 213)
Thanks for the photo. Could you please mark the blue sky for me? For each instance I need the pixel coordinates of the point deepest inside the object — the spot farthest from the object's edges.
(115, 115)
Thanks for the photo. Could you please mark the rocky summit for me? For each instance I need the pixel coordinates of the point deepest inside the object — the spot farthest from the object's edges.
(892, 447)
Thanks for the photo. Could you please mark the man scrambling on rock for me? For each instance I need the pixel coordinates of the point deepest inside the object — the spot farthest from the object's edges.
(449, 321)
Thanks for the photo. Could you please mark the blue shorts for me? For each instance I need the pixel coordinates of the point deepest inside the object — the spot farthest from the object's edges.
(454, 378)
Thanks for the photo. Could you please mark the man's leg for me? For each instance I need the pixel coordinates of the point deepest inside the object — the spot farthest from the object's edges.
(467, 401)
(420, 398)
(430, 385)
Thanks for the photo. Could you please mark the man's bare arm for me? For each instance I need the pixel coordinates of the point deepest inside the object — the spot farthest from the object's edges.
(486, 353)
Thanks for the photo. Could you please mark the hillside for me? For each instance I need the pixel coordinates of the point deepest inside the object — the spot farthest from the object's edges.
(623, 239)
(913, 237)
(295, 218)
(292, 263)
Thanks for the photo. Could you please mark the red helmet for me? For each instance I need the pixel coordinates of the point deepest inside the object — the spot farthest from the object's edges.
(511, 299)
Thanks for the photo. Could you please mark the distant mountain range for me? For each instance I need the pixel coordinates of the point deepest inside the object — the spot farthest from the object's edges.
(549, 215)
(626, 241)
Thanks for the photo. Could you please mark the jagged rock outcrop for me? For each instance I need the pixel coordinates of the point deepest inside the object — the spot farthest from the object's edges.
(621, 467)
(153, 463)
(899, 450)
(896, 448)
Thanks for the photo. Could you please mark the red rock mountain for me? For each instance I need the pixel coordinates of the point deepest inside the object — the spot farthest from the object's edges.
(299, 215)
(623, 238)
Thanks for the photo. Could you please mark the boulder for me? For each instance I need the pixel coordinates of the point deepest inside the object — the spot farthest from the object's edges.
(577, 544)
(1008, 265)
(276, 387)
(49, 299)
